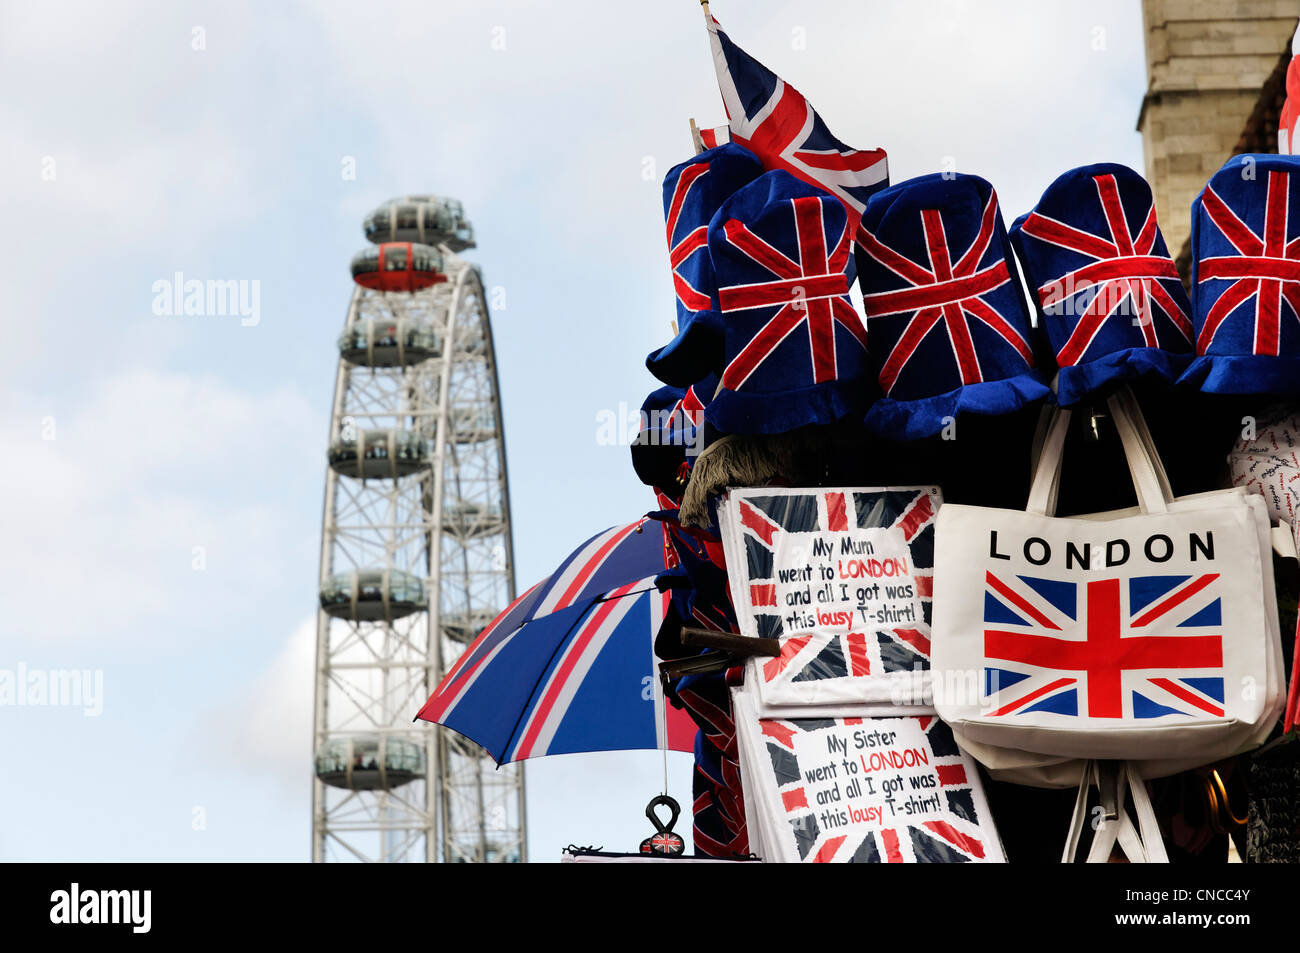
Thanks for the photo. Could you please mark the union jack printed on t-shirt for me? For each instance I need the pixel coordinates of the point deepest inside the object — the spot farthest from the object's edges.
(1142, 647)
(958, 830)
(866, 649)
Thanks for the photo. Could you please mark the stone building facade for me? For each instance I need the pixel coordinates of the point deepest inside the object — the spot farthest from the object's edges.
(1215, 73)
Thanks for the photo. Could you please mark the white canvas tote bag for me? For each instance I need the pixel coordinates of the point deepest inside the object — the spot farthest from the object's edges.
(1137, 637)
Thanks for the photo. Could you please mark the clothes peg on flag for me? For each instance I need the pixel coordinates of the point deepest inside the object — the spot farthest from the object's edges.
(696, 141)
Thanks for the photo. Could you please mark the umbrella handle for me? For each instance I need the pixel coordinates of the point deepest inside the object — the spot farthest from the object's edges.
(671, 804)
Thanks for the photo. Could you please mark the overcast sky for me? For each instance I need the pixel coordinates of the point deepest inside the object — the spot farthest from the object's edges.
(145, 139)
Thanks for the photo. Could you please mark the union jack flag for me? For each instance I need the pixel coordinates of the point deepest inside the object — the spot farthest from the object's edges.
(712, 138)
(1247, 275)
(1099, 266)
(860, 649)
(1143, 647)
(781, 251)
(937, 257)
(772, 119)
(959, 835)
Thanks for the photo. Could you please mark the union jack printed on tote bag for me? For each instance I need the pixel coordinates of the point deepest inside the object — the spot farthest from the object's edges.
(1126, 637)
(1139, 647)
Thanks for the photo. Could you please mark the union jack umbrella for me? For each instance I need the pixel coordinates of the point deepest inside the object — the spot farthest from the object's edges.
(796, 351)
(949, 328)
(693, 191)
(569, 666)
(772, 119)
(1246, 278)
(1108, 293)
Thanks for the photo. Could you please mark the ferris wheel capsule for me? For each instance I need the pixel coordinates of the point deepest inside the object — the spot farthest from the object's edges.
(466, 626)
(369, 762)
(428, 219)
(379, 454)
(372, 595)
(398, 266)
(472, 425)
(388, 342)
(470, 520)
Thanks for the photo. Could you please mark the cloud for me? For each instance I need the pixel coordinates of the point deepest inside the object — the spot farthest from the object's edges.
(146, 497)
(265, 730)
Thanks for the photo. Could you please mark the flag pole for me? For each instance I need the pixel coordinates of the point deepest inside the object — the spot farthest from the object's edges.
(696, 140)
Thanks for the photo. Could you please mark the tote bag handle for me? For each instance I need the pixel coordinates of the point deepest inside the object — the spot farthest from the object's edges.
(1147, 472)
(1141, 843)
(1133, 413)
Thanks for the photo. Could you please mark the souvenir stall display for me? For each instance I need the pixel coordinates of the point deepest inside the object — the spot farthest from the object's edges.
(1000, 565)
(905, 662)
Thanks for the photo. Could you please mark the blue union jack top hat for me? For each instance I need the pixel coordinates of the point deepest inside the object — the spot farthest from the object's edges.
(693, 192)
(794, 346)
(1246, 278)
(670, 435)
(657, 455)
(1108, 294)
(949, 327)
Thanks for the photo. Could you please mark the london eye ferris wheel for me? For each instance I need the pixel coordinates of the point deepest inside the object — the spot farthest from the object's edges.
(416, 553)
